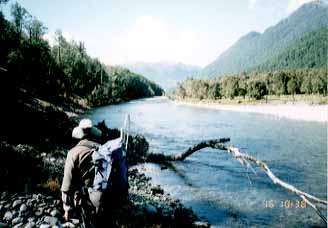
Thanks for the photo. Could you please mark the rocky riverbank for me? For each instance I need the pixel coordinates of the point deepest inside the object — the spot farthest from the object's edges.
(148, 206)
(32, 156)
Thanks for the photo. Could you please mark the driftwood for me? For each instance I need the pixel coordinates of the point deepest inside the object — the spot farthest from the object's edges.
(164, 159)
(244, 159)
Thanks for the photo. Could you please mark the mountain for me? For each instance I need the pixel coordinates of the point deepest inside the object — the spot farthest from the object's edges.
(307, 52)
(255, 48)
(166, 74)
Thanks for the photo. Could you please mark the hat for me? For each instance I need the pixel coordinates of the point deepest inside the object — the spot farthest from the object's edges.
(85, 124)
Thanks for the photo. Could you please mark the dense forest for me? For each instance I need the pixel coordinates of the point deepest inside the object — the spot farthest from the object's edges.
(307, 52)
(39, 82)
(64, 73)
(255, 85)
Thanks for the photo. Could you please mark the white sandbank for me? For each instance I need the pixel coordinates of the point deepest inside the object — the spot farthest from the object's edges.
(298, 111)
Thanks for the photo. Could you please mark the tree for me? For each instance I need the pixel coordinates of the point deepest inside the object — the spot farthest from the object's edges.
(319, 83)
(19, 15)
(230, 87)
(36, 30)
(291, 86)
(280, 83)
(256, 89)
(306, 86)
(214, 90)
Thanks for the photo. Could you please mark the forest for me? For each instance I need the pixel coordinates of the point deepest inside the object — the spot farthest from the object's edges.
(256, 85)
(63, 74)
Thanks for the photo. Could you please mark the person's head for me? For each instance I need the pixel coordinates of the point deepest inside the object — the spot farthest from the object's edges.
(86, 130)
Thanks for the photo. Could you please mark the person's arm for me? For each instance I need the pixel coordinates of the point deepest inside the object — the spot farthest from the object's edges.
(67, 204)
(66, 188)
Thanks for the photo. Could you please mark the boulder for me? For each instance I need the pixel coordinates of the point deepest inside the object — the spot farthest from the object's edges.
(68, 225)
(8, 216)
(29, 225)
(17, 203)
(50, 220)
(54, 213)
(17, 220)
(23, 208)
(45, 226)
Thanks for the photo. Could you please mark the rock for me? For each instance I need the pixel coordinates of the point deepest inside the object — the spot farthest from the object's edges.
(48, 210)
(38, 213)
(17, 220)
(4, 195)
(67, 225)
(3, 225)
(201, 224)
(19, 225)
(17, 203)
(23, 208)
(42, 205)
(30, 202)
(51, 220)
(7, 206)
(39, 197)
(54, 213)
(29, 225)
(8, 216)
(44, 226)
(75, 221)
(150, 209)
(32, 219)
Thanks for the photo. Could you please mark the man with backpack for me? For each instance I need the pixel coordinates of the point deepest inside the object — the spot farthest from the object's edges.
(95, 175)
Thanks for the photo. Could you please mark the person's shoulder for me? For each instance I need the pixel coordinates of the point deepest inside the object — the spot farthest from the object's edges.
(88, 143)
(79, 148)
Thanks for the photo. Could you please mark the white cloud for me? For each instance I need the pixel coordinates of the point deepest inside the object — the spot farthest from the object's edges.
(252, 4)
(150, 39)
(294, 4)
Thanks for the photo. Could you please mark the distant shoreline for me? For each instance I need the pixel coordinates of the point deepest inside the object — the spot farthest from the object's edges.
(297, 111)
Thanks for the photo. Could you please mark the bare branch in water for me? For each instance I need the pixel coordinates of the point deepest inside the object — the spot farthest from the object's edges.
(245, 160)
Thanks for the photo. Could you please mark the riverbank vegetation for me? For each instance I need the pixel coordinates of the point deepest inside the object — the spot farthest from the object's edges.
(63, 73)
(40, 85)
(309, 85)
(40, 81)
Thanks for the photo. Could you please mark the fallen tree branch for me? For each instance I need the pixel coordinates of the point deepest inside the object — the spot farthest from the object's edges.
(164, 159)
(244, 159)
(308, 198)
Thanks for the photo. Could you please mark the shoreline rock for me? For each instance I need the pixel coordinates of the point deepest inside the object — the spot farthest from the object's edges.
(144, 208)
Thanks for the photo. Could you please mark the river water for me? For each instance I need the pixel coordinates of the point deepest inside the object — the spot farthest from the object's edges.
(215, 185)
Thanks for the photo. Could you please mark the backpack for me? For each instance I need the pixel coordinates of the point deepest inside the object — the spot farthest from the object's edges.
(110, 171)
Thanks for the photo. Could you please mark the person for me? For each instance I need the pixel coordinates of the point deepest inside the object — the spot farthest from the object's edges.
(78, 172)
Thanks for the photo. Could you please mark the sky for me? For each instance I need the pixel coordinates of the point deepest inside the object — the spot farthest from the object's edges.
(192, 32)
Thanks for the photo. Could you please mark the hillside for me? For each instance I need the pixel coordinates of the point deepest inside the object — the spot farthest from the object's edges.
(165, 74)
(254, 48)
(308, 52)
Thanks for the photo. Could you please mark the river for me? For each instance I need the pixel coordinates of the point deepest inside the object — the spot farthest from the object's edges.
(215, 185)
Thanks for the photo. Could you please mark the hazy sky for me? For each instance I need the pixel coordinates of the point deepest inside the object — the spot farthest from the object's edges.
(188, 31)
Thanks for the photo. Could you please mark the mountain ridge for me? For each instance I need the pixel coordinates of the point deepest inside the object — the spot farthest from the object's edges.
(255, 48)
